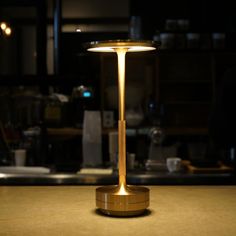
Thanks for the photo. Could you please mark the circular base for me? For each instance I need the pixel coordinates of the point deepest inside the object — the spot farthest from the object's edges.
(126, 201)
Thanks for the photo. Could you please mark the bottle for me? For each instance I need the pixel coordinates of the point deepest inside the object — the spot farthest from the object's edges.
(156, 36)
(92, 139)
(135, 29)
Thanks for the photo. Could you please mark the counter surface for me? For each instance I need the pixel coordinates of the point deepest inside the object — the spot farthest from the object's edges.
(70, 210)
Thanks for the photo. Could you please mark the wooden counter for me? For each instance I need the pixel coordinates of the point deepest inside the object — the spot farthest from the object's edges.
(70, 210)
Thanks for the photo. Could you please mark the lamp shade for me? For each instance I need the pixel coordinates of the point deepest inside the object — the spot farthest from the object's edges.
(130, 45)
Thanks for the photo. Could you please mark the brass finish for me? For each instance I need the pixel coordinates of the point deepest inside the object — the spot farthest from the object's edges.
(130, 45)
(122, 200)
(113, 201)
(122, 152)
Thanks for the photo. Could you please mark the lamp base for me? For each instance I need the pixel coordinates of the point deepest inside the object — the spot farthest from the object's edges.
(127, 201)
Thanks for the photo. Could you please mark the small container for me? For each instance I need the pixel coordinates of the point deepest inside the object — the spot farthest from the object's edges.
(135, 28)
(20, 157)
(173, 164)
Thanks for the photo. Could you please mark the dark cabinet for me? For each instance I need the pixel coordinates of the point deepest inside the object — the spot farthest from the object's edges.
(187, 85)
(183, 82)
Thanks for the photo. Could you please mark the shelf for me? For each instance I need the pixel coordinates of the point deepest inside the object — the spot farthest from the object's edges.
(185, 81)
(72, 132)
(68, 131)
(186, 51)
(34, 80)
(188, 103)
(186, 131)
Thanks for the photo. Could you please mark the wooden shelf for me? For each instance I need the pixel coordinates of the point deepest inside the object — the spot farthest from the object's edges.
(185, 81)
(67, 131)
(34, 80)
(197, 51)
(186, 131)
(188, 103)
(72, 132)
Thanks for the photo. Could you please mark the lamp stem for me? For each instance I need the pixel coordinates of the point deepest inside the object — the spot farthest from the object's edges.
(121, 52)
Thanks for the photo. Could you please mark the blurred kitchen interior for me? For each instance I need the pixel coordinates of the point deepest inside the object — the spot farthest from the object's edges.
(175, 99)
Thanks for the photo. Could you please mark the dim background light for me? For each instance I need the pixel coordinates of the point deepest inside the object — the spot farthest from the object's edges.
(8, 31)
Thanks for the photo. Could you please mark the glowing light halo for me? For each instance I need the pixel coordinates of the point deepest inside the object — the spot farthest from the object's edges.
(3, 25)
(130, 45)
(8, 31)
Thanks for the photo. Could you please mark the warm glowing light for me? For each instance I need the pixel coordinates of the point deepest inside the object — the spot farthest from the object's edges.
(129, 49)
(129, 45)
(122, 190)
(78, 30)
(2, 175)
(3, 26)
(8, 31)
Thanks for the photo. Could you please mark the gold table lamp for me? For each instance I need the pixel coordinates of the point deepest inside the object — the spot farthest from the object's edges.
(122, 199)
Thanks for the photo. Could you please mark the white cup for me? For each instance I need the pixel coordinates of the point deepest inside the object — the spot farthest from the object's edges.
(173, 164)
(20, 157)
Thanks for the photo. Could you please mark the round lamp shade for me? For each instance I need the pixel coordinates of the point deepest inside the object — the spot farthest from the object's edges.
(130, 45)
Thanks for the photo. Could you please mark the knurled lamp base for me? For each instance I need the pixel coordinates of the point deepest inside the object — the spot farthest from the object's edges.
(122, 201)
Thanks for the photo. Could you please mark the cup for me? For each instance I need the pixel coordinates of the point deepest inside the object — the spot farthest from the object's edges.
(173, 164)
(20, 157)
